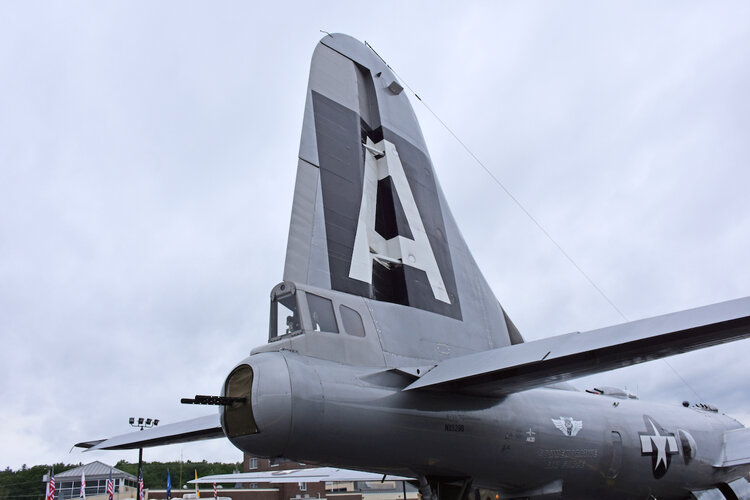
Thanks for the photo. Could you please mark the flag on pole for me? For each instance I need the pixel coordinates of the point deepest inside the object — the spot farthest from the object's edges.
(83, 486)
(197, 491)
(169, 486)
(140, 484)
(110, 486)
(215, 495)
(51, 486)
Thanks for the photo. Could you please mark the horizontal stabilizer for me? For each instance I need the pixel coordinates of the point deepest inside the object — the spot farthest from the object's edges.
(312, 475)
(196, 429)
(533, 364)
(735, 449)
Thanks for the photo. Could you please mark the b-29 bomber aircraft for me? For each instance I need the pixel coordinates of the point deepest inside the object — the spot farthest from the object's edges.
(388, 352)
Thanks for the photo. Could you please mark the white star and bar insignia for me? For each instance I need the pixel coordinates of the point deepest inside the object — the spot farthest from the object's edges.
(661, 445)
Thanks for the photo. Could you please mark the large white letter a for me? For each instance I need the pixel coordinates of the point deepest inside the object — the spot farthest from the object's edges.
(381, 161)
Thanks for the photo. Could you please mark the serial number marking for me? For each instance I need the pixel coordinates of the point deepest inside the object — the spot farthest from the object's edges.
(562, 459)
(564, 464)
(576, 453)
(454, 427)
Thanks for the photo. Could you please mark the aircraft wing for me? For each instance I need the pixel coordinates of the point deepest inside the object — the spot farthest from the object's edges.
(533, 364)
(312, 475)
(735, 449)
(208, 427)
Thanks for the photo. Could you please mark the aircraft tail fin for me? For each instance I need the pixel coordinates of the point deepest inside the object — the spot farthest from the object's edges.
(369, 217)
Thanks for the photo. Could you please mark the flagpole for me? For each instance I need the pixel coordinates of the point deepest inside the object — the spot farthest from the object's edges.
(142, 423)
(169, 485)
(51, 486)
(140, 472)
(110, 486)
(179, 486)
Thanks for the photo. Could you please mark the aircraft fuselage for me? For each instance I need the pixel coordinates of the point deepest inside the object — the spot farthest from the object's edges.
(589, 445)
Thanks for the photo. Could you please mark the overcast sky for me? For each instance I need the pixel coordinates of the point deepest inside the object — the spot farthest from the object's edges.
(147, 162)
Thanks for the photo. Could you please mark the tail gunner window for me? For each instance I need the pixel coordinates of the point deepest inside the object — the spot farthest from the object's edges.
(285, 318)
(295, 312)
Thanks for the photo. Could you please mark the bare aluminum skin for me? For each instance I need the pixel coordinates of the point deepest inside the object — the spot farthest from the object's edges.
(361, 418)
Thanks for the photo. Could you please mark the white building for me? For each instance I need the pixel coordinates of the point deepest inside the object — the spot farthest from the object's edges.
(68, 483)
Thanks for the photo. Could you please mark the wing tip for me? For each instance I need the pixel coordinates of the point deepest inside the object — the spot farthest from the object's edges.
(89, 444)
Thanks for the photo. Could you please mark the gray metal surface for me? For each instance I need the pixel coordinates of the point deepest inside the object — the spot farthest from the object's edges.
(195, 429)
(312, 475)
(736, 448)
(710, 494)
(361, 418)
(741, 488)
(350, 94)
(362, 351)
(299, 244)
(554, 359)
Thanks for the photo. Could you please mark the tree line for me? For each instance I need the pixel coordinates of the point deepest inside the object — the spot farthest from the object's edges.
(155, 473)
(26, 482)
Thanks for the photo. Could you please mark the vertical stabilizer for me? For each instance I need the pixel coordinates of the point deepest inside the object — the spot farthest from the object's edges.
(369, 217)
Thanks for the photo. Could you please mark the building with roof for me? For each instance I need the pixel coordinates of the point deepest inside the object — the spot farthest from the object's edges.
(254, 491)
(346, 490)
(68, 483)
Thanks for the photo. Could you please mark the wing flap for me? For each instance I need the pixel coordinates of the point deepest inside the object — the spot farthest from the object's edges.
(208, 427)
(736, 448)
(556, 359)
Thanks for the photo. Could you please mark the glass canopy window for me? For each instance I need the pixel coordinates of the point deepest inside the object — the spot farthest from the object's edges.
(294, 312)
(285, 316)
(321, 314)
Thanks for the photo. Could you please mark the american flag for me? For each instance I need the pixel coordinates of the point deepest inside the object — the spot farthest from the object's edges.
(51, 487)
(215, 495)
(110, 486)
(140, 484)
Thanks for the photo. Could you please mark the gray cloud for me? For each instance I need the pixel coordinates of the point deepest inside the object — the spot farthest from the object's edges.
(147, 157)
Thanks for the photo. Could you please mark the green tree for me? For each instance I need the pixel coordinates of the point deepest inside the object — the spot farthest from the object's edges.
(155, 473)
(26, 483)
